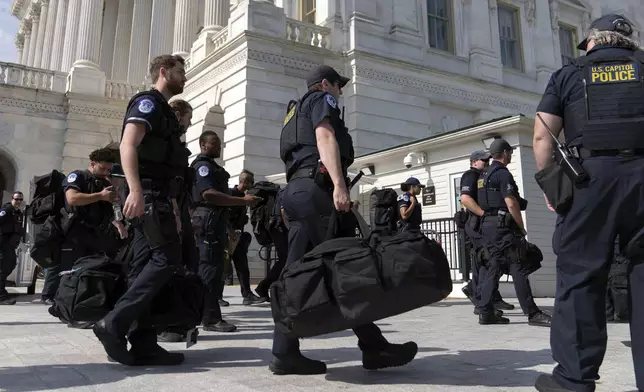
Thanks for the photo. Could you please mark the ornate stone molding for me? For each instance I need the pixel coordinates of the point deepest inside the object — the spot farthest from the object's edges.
(530, 11)
(17, 6)
(20, 40)
(32, 105)
(585, 23)
(212, 77)
(554, 16)
(492, 4)
(25, 27)
(94, 112)
(34, 14)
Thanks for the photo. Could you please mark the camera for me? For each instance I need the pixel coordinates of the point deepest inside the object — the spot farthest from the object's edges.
(408, 161)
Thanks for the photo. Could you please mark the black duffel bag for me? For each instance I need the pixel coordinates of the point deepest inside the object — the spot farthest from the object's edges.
(180, 302)
(347, 282)
(89, 290)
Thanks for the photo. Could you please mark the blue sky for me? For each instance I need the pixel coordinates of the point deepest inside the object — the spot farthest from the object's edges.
(8, 27)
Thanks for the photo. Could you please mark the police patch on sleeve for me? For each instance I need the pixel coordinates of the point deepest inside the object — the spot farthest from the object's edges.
(203, 171)
(3, 212)
(72, 177)
(465, 188)
(404, 197)
(331, 101)
(146, 106)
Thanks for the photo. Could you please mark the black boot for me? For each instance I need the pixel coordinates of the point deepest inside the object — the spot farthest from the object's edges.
(296, 364)
(491, 318)
(218, 326)
(393, 355)
(502, 305)
(547, 383)
(155, 356)
(115, 346)
(540, 319)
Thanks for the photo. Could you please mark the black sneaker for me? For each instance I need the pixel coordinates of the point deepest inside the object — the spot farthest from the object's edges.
(540, 319)
(252, 299)
(223, 303)
(491, 318)
(393, 355)
(296, 364)
(155, 356)
(498, 312)
(80, 324)
(219, 326)
(502, 305)
(170, 337)
(43, 301)
(547, 383)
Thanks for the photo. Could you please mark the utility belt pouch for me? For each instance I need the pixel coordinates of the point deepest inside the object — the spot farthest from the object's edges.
(198, 220)
(500, 220)
(158, 222)
(557, 186)
(321, 176)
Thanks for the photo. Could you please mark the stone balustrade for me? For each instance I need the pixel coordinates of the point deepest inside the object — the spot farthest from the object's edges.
(307, 33)
(219, 39)
(120, 90)
(23, 76)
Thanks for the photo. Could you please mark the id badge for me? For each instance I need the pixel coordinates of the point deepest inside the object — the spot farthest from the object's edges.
(191, 337)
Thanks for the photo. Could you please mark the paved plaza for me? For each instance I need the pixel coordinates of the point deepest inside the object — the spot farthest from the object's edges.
(456, 354)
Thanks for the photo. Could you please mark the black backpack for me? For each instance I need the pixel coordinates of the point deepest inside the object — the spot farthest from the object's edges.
(383, 214)
(261, 214)
(48, 197)
(89, 290)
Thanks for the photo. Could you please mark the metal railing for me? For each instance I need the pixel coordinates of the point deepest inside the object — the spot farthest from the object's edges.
(453, 241)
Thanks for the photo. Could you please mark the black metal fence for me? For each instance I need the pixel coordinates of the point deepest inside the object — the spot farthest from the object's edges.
(452, 239)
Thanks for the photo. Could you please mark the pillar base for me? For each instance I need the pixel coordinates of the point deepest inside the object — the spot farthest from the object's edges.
(85, 77)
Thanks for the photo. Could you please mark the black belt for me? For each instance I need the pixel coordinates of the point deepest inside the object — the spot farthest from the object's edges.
(305, 172)
(584, 153)
(170, 187)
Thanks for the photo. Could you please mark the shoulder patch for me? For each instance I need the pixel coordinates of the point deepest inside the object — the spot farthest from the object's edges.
(146, 106)
(404, 197)
(480, 183)
(614, 73)
(3, 212)
(331, 101)
(203, 171)
(289, 115)
(72, 177)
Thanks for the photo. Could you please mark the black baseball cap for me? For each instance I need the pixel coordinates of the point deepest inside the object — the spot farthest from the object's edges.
(414, 181)
(611, 22)
(479, 154)
(321, 72)
(500, 145)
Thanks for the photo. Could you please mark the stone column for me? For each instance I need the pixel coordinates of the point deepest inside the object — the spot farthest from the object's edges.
(44, 7)
(163, 27)
(485, 63)
(59, 36)
(108, 36)
(20, 45)
(49, 33)
(185, 26)
(85, 76)
(122, 40)
(140, 42)
(216, 15)
(71, 35)
(25, 30)
(35, 21)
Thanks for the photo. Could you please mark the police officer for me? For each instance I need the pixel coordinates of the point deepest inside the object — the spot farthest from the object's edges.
(502, 227)
(11, 232)
(411, 214)
(210, 220)
(88, 209)
(239, 257)
(153, 160)
(317, 150)
(479, 160)
(597, 100)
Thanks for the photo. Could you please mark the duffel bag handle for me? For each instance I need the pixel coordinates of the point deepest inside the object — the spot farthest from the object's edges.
(335, 218)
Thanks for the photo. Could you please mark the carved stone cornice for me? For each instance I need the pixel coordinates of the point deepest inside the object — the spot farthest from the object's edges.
(35, 106)
(17, 6)
(492, 4)
(531, 11)
(25, 27)
(20, 40)
(34, 14)
(554, 16)
(585, 23)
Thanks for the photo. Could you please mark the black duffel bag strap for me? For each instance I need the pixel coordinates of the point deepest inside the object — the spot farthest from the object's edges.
(335, 219)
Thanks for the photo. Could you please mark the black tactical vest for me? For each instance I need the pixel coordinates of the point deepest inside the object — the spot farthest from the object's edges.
(489, 194)
(610, 115)
(95, 214)
(478, 174)
(161, 154)
(298, 143)
(13, 222)
(222, 178)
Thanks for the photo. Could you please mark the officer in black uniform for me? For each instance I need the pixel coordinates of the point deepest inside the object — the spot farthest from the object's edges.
(598, 100)
(316, 141)
(479, 161)
(411, 214)
(210, 219)
(11, 232)
(239, 257)
(88, 212)
(502, 228)
(153, 160)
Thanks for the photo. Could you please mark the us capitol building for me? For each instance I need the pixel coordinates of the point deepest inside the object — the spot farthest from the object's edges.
(418, 68)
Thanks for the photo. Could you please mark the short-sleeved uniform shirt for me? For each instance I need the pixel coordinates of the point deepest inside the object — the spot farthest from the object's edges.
(11, 220)
(501, 180)
(81, 180)
(209, 176)
(469, 182)
(145, 111)
(238, 216)
(416, 217)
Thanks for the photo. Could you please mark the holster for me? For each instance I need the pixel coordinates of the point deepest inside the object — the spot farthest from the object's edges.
(158, 222)
(210, 224)
(557, 186)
